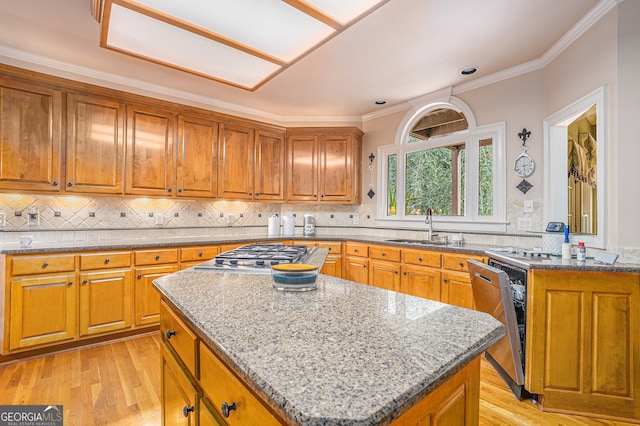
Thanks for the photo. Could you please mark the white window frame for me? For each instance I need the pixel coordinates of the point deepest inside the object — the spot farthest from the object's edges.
(471, 220)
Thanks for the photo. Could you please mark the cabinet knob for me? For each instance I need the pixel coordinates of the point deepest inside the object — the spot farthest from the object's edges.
(106, 261)
(355, 250)
(226, 408)
(70, 184)
(186, 410)
(321, 195)
(84, 282)
(54, 183)
(158, 257)
(404, 273)
(45, 264)
(445, 280)
(383, 254)
(419, 259)
(70, 283)
(395, 272)
(329, 249)
(315, 195)
(257, 194)
(179, 189)
(199, 254)
(250, 193)
(170, 333)
(139, 276)
(169, 189)
(461, 264)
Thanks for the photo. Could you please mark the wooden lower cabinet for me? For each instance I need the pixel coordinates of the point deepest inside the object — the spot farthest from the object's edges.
(42, 310)
(455, 402)
(146, 299)
(208, 415)
(180, 399)
(583, 342)
(456, 290)
(333, 263)
(105, 301)
(421, 282)
(384, 275)
(356, 269)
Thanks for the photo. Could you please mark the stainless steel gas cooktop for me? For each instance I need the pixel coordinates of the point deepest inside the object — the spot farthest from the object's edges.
(257, 258)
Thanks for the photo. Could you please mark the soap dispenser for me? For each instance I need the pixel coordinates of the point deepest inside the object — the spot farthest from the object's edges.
(566, 245)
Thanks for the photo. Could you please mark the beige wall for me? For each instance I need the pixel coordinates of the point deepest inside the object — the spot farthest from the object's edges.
(607, 54)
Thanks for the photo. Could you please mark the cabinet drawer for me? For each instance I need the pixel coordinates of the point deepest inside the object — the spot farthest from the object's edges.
(28, 265)
(114, 259)
(190, 254)
(156, 257)
(421, 257)
(391, 254)
(334, 247)
(356, 249)
(458, 262)
(179, 337)
(221, 386)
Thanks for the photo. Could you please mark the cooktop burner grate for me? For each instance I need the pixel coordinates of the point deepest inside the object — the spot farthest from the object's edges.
(258, 257)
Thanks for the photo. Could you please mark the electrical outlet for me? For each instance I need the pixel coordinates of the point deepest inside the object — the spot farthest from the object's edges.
(159, 219)
(1, 220)
(356, 219)
(528, 206)
(525, 224)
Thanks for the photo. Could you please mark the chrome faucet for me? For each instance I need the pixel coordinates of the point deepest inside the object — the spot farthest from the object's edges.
(428, 219)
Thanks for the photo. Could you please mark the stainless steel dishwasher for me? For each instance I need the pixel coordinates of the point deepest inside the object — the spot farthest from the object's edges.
(500, 291)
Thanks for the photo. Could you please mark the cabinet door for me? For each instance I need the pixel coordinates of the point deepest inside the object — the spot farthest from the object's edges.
(179, 396)
(356, 269)
(105, 301)
(332, 266)
(384, 275)
(197, 157)
(456, 290)
(43, 310)
(146, 298)
(583, 345)
(269, 166)
(149, 165)
(95, 145)
(336, 168)
(235, 168)
(30, 136)
(302, 168)
(421, 282)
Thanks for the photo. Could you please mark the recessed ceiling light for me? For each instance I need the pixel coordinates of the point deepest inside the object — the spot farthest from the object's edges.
(380, 102)
(468, 70)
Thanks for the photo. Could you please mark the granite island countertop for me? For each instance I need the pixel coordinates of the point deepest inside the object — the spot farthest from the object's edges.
(346, 353)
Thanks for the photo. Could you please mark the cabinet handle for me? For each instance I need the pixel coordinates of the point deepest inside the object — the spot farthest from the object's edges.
(55, 183)
(169, 189)
(404, 273)
(419, 259)
(395, 272)
(250, 193)
(106, 261)
(170, 333)
(329, 248)
(226, 409)
(200, 254)
(321, 195)
(315, 195)
(179, 189)
(45, 264)
(355, 250)
(383, 254)
(70, 283)
(158, 257)
(461, 264)
(186, 410)
(139, 276)
(70, 184)
(84, 282)
(445, 280)
(257, 194)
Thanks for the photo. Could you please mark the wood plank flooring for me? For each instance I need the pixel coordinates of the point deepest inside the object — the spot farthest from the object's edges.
(119, 384)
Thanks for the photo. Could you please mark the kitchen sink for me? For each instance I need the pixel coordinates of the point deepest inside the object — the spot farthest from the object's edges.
(423, 242)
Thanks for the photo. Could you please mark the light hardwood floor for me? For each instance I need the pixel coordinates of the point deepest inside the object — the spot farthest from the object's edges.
(119, 384)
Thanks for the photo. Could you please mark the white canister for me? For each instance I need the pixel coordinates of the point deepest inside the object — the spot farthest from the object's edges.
(273, 228)
(552, 243)
(288, 226)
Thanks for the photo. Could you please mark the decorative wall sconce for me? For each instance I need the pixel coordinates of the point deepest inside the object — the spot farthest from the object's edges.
(372, 157)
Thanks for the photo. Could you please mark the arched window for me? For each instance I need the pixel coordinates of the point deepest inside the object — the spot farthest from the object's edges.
(443, 162)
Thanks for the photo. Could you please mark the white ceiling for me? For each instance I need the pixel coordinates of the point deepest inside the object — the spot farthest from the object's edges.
(403, 50)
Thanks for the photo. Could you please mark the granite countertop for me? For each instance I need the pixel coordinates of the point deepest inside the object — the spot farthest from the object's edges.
(554, 263)
(345, 353)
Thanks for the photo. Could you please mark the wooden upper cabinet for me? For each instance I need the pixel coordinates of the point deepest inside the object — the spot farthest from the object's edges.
(302, 167)
(30, 136)
(269, 166)
(149, 165)
(95, 145)
(235, 180)
(197, 157)
(324, 165)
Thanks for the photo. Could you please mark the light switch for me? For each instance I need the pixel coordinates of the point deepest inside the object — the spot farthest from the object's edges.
(524, 224)
(528, 206)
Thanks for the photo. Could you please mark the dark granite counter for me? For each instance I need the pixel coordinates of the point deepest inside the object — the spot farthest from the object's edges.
(346, 353)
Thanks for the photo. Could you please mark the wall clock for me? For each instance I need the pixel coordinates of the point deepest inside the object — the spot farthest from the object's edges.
(524, 164)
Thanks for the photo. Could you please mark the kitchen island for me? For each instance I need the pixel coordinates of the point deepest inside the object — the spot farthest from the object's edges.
(346, 353)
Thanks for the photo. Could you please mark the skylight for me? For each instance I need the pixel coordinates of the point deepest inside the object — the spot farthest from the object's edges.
(241, 43)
